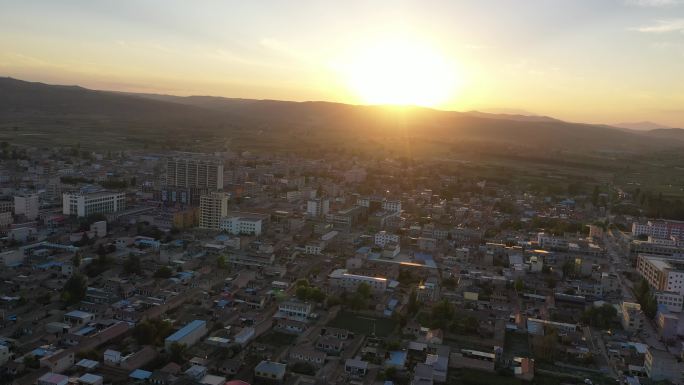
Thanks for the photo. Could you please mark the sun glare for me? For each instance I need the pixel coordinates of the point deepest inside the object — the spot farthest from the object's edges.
(400, 72)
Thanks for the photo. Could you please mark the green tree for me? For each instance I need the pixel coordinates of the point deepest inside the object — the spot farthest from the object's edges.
(221, 262)
(132, 265)
(364, 290)
(74, 289)
(176, 352)
(163, 272)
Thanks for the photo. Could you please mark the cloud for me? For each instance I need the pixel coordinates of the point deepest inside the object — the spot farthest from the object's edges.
(663, 26)
(654, 3)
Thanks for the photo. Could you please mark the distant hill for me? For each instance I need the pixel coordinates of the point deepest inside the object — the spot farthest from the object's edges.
(641, 126)
(63, 109)
(669, 133)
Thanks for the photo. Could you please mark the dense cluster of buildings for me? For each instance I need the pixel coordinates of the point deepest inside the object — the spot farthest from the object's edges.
(234, 268)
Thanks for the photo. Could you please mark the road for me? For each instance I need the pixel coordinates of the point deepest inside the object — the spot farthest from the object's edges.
(620, 257)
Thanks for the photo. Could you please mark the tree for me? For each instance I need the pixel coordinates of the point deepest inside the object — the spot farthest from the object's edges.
(76, 260)
(364, 290)
(221, 262)
(413, 306)
(176, 352)
(519, 285)
(132, 265)
(163, 272)
(74, 289)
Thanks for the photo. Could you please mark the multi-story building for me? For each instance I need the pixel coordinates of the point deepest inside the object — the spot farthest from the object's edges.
(213, 207)
(237, 225)
(659, 229)
(6, 205)
(383, 237)
(193, 172)
(672, 301)
(27, 205)
(661, 366)
(631, 316)
(294, 310)
(318, 207)
(662, 274)
(350, 282)
(85, 204)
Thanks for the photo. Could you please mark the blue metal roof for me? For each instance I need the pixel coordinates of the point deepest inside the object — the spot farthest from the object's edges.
(187, 329)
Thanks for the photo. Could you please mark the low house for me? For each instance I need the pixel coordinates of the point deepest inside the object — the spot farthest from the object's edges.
(307, 355)
(270, 371)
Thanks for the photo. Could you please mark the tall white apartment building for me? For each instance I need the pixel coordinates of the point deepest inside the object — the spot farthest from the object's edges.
(318, 207)
(213, 207)
(85, 204)
(383, 237)
(191, 172)
(27, 205)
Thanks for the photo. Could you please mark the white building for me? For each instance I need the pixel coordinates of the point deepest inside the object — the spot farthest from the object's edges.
(350, 282)
(383, 237)
(672, 301)
(27, 205)
(192, 172)
(238, 225)
(85, 204)
(294, 310)
(213, 207)
(659, 229)
(11, 258)
(318, 207)
(393, 206)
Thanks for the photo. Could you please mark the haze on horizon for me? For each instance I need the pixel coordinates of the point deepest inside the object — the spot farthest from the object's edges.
(587, 61)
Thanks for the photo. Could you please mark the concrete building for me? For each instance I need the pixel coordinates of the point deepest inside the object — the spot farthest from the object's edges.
(350, 282)
(53, 379)
(294, 310)
(188, 335)
(213, 207)
(193, 172)
(383, 237)
(270, 371)
(242, 225)
(661, 365)
(662, 274)
(659, 229)
(318, 207)
(632, 317)
(85, 204)
(672, 301)
(27, 205)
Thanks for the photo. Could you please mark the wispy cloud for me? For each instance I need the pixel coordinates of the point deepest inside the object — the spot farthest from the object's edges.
(654, 3)
(663, 26)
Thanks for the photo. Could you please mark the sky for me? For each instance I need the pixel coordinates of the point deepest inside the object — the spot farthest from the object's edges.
(598, 61)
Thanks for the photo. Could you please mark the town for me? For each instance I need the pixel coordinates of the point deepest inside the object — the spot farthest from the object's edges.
(233, 268)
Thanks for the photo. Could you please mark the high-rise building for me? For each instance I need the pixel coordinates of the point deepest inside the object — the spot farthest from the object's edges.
(192, 172)
(27, 205)
(318, 207)
(85, 204)
(213, 207)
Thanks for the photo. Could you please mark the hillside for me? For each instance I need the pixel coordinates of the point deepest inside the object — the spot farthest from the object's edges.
(70, 111)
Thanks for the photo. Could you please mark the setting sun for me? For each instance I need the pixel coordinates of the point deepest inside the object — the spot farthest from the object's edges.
(400, 72)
